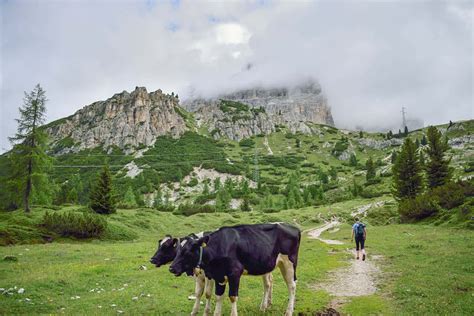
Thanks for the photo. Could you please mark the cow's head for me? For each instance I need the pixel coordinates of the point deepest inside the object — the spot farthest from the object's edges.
(187, 257)
(167, 249)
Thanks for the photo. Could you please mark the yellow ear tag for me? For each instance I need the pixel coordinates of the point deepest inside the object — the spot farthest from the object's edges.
(204, 245)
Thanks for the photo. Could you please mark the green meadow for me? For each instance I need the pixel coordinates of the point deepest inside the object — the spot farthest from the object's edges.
(426, 269)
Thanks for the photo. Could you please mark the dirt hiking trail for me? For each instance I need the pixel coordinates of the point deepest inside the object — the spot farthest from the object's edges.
(357, 279)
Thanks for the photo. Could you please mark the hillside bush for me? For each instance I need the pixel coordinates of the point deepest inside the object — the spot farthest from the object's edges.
(247, 142)
(449, 195)
(418, 208)
(191, 209)
(165, 208)
(75, 224)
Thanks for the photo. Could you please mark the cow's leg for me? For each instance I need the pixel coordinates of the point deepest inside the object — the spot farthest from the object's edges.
(234, 282)
(199, 288)
(267, 294)
(208, 292)
(220, 289)
(288, 272)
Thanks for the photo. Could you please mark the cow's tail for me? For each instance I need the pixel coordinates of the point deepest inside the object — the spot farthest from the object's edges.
(295, 262)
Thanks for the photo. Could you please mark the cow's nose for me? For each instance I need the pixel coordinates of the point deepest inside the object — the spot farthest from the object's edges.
(172, 270)
(152, 260)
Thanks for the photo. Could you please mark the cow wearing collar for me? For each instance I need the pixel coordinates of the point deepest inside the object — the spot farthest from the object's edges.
(228, 253)
(166, 253)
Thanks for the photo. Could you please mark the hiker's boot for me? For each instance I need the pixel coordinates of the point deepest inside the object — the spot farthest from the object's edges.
(363, 257)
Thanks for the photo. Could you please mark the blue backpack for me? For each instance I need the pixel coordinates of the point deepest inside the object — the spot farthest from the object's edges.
(359, 229)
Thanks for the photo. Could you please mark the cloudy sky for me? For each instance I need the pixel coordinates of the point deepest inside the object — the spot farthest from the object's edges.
(371, 57)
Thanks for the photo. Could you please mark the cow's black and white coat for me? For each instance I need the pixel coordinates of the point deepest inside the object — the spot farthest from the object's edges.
(228, 253)
(166, 253)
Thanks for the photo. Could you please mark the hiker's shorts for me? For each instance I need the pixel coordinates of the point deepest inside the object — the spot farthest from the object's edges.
(359, 242)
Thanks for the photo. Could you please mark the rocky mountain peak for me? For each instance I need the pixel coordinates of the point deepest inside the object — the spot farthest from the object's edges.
(263, 109)
(126, 120)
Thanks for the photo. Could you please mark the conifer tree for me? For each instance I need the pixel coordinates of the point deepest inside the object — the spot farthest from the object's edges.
(157, 202)
(245, 207)
(407, 177)
(205, 189)
(102, 199)
(223, 199)
(437, 166)
(394, 156)
(424, 141)
(28, 157)
(353, 160)
(405, 132)
(370, 170)
(129, 200)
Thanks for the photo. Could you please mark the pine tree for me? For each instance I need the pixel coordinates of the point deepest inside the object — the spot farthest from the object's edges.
(417, 143)
(157, 202)
(129, 200)
(437, 167)
(369, 165)
(424, 141)
(399, 135)
(217, 184)
(361, 134)
(407, 177)
(333, 173)
(223, 199)
(405, 132)
(102, 199)
(205, 189)
(394, 156)
(245, 207)
(28, 157)
(389, 135)
(353, 160)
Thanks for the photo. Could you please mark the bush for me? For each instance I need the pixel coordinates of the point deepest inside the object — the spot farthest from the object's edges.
(247, 142)
(165, 208)
(372, 191)
(74, 224)
(418, 208)
(449, 195)
(191, 209)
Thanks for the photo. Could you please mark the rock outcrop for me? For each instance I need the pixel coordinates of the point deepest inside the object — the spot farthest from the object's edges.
(296, 108)
(127, 120)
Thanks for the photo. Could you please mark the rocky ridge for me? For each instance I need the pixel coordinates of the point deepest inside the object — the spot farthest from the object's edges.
(126, 120)
(298, 108)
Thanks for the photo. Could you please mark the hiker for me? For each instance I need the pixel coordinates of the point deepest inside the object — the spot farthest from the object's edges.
(359, 232)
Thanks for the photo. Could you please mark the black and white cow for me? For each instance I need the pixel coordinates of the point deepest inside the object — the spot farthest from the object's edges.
(166, 253)
(228, 253)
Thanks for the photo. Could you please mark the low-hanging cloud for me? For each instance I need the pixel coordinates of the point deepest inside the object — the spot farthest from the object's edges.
(371, 58)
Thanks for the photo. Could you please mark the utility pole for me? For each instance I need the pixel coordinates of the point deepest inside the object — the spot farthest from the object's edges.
(404, 120)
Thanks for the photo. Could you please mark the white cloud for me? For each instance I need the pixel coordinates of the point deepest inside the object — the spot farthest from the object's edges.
(371, 57)
(232, 33)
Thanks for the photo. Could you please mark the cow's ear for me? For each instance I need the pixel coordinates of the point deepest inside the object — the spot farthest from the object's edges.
(203, 241)
(175, 242)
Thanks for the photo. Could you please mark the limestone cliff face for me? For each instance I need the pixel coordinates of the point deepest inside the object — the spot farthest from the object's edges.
(297, 108)
(126, 120)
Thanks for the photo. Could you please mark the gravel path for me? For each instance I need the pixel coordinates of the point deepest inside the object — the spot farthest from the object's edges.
(358, 279)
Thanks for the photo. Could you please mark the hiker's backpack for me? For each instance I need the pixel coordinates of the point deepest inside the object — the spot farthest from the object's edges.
(359, 230)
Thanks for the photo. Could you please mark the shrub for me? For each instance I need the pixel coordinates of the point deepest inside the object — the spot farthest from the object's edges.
(193, 182)
(417, 208)
(74, 224)
(247, 142)
(165, 208)
(449, 195)
(191, 209)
